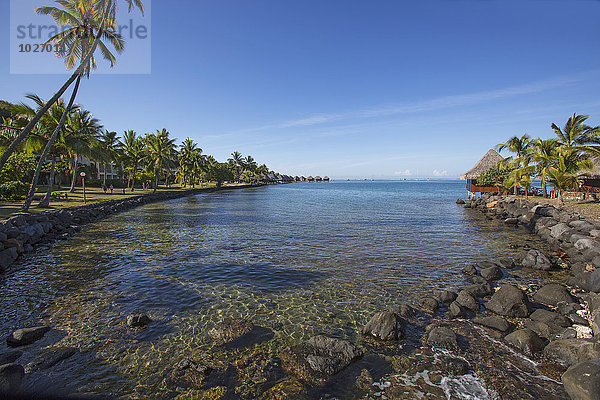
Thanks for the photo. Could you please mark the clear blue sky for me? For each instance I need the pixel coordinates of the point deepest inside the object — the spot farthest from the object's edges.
(376, 89)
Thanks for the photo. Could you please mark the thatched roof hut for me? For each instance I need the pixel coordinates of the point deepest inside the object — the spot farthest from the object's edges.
(318, 178)
(489, 160)
(310, 179)
(326, 179)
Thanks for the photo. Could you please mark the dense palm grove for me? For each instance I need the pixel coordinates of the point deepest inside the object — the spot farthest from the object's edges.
(83, 145)
(562, 161)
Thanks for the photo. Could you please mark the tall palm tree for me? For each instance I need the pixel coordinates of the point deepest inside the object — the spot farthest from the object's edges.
(80, 139)
(109, 143)
(187, 160)
(541, 152)
(104, 13)
(160, 153)
(132, 150)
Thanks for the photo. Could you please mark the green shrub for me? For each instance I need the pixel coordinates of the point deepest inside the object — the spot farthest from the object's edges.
(18, 168)
(13, 190)
(495, 176)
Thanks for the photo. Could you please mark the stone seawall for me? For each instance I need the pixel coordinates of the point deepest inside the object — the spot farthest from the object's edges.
(568, 320)
(22, 233)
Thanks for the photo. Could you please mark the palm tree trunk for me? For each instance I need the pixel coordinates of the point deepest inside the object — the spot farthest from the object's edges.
(544, 189)
(516, 188)
(76, 76)
(155, 181)
(74, 179)
(104, 179)
(46, 200)
(44, 155)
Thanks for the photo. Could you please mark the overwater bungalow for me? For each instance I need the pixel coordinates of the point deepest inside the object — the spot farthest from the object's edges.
(302, 179)
(489, 160)
(310, 179)
(326, 179)
(318, 179)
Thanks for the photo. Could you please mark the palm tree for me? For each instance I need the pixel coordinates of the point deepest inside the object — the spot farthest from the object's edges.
(80, 139)
(541, 152)
(132, 150)
(519, 146)
(103, 16)
(236, 161)
(576, 134)
(41, 139)
(187, 160)
(565, 170)
(109, 142)
(160, 153)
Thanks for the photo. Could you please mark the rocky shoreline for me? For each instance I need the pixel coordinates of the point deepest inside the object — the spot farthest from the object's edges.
(23, 233)
(521, 340)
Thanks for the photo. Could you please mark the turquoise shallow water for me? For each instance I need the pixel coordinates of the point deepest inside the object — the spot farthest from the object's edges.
(299, 259)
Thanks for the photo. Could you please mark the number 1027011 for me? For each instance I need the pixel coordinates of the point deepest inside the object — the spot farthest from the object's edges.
(41, 48)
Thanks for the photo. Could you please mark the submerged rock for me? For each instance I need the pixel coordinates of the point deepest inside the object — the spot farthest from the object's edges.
(406, 311)
(230, 329)
(429, 304)
(582, 381)
(22, 337)
(138, 320)
(11, 376)
(526, 340)
(10, 356)
(509, 301)
(384, 326)
(442, 336)
(552, 294)
(460, 201)
(51, 358)
(319, 357)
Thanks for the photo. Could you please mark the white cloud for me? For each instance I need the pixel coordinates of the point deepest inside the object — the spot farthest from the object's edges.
(406, 172)
(440, 173)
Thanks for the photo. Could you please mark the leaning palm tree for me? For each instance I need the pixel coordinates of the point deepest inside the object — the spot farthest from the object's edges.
(83, 24)
(576, 134)
(103, 14)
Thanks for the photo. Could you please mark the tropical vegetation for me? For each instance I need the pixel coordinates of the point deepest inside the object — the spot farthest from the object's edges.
(564, 161)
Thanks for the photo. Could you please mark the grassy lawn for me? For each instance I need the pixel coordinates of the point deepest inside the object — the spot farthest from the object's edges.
(93, 195)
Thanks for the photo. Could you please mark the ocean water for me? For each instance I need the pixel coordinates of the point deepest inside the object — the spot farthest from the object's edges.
(298, 259)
